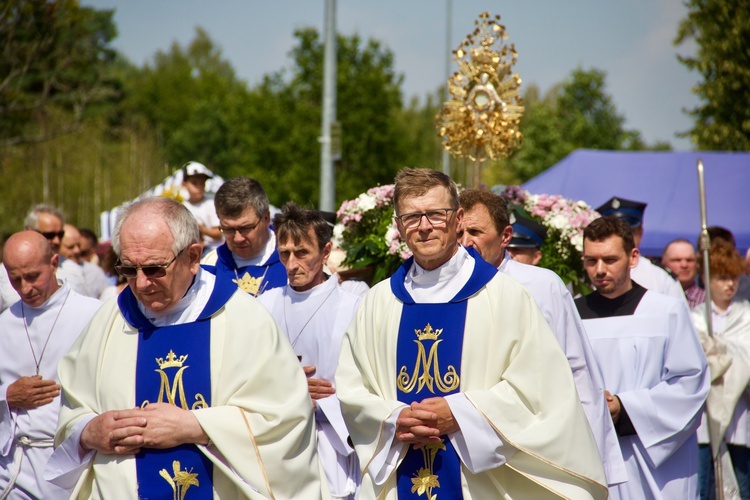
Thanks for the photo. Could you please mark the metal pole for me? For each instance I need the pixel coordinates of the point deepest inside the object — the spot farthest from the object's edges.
(705, 246)
(327, 173)
(446, 156)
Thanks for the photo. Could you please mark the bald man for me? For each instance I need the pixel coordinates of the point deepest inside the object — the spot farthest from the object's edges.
(94, 279)
(36, 332)
(47, 221)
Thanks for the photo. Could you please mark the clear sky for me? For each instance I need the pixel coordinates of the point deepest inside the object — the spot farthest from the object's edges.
(631, 40)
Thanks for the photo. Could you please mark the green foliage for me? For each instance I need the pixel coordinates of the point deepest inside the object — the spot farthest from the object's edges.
(54, 58)
(369, 103)
(577, 113)
(721, 29)
(367, 232)
(188, 96)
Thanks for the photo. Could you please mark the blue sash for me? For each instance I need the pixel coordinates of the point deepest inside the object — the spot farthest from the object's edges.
(253, 279)
(428, 360)
(174, 366)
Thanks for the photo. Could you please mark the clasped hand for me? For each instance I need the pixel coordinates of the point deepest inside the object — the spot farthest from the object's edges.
(157, 425)
(317, 387)
(31, 392)
(425, 421)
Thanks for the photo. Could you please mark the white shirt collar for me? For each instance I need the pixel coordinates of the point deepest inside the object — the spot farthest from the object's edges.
(262, 257)
(189, 307)
(440, 284)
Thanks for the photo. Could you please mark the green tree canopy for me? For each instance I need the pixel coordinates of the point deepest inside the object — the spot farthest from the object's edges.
(283, 125)
(721, 28)
(55, 61)
(576, 113)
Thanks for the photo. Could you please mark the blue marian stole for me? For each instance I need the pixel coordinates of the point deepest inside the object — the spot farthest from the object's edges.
(252, 279)
(174, 366)
(428, 360)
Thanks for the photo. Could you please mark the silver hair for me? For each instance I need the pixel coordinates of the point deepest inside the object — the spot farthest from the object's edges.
(180, 221)
(32, 219)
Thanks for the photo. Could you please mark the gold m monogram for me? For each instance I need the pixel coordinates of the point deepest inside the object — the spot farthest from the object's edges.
(430, 367)
(177, 388)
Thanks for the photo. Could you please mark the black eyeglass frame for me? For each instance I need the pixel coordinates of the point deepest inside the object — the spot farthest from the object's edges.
(151, 271)
(446, 217)
(229, 232)
(50, 235)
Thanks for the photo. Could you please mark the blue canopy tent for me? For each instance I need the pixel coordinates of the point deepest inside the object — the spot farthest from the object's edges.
(667, 181)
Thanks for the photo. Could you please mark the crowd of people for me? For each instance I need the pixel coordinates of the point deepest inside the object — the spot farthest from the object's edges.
(210, 351)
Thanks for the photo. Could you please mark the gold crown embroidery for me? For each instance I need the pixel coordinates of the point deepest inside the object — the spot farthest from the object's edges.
(172, 360)
(429, 333)
(249, 284)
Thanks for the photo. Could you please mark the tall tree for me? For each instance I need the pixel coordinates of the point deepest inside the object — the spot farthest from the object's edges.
(721, 29)
(576, 113)
(186, 94)
(284, 125)
(55, 57)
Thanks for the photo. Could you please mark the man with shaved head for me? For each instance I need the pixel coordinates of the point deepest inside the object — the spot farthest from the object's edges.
(47, 221)
(182, 382)
(36, 332)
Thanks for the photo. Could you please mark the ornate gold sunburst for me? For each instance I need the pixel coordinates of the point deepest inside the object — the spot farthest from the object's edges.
(481, 119)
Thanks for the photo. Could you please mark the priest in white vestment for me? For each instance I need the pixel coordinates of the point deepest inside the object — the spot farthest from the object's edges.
(451, 382)
(182, 386)
(655, 373)
(724, 434)
(314, 312)
(35, 333)
(486, 228)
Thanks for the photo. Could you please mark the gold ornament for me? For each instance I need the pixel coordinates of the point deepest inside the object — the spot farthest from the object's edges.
(481, 120)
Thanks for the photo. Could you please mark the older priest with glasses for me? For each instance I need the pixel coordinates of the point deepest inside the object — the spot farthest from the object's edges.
(451, 383)
(182, 382)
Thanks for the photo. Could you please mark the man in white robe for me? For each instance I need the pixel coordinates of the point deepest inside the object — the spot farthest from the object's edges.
(181, 383)
(93, 276)
(655, 373)
(48, 221)
(486, 228)
(491, 411)
(35, 333)
(645, 273)
(314, 312)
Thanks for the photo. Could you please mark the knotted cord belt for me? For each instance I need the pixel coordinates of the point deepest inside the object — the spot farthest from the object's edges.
(23, 442)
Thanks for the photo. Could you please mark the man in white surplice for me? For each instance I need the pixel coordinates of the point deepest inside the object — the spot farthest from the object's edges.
(314, 312)
(654, 369)
(48, 221)
(36, 332)
(486, 228)
(492, 410)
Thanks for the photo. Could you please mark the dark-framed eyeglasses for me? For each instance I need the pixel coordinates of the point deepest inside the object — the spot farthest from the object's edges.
(436, 217)
(151, 271)
(244, 231)
(50, 235)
